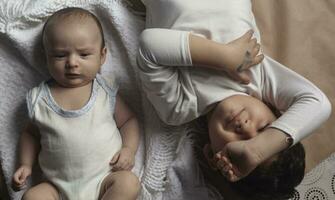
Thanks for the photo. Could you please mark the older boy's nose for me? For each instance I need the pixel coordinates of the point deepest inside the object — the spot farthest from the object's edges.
(248, 128)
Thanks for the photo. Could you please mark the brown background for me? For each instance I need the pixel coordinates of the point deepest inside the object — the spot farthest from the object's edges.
(301, 35)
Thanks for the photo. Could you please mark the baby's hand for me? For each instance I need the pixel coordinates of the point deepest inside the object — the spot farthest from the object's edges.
(237, 160)
(123, 159)
(241, 54)
(20, 177)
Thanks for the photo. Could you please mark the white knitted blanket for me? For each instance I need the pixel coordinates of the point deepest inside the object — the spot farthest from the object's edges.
(165, 162)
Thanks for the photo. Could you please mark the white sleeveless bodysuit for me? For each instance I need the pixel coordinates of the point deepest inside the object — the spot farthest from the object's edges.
(76, 145)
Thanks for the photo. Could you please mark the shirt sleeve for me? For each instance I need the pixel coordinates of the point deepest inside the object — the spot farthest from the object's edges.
(304, 107)
(162, 54)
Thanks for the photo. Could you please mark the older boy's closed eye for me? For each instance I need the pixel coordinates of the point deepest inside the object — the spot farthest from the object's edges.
(197, 54)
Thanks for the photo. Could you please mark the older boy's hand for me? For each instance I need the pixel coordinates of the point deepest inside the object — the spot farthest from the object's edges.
(241, 54)
(20, 177)
(237, 160)
(123, 159)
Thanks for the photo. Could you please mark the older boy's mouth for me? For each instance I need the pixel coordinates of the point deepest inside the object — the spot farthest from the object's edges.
(235, 115)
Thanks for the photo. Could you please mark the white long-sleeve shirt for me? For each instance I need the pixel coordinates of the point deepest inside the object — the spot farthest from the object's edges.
(181, 92)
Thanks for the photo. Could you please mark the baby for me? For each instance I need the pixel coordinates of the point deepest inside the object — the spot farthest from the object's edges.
(196, 59)
(83, 133)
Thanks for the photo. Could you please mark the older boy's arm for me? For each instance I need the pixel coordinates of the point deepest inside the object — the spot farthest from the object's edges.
(234, 57)
(268, 143)
(173, 48)
(239, 158)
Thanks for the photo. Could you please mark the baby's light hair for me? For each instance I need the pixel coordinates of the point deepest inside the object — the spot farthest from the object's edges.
(70, 13)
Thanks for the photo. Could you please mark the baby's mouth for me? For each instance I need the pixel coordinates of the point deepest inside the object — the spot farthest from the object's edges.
(72, 75)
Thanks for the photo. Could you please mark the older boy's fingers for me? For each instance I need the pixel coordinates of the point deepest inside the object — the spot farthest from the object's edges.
(221, 165)
(255, 50)
(255, 61)
(232, 177)
(218, 155)
(248, 34)
(226, 168)
(245, 77)
(224, 159)
(224, 173)
(246, 62)
(224, 164)
(258, 59)
(253, 43)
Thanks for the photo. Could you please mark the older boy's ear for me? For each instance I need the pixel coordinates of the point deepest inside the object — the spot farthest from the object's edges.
(103, 55)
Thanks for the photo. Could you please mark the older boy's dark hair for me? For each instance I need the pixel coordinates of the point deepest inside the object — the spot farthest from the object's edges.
(277, 180)
(69, 12)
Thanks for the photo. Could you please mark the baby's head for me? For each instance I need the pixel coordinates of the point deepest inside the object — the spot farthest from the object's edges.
(74, 46)
(242, 117)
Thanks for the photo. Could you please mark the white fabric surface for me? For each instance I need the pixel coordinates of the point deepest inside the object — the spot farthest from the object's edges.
(22, 67)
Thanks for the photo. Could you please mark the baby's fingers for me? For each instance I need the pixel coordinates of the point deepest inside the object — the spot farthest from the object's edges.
(122, 167)
(19, 176)
(115, 159)
(129, 166)
(18, 183)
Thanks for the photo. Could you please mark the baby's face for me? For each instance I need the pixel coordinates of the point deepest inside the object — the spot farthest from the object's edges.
(238, 117)
(73, 50)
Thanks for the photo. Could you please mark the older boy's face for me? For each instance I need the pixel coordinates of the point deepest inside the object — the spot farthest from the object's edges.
(73, 50)
(238, 117)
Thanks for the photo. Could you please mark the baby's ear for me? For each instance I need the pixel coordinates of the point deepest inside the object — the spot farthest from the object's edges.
(103, 55)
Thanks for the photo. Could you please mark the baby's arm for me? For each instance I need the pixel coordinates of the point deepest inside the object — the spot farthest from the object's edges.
(29, 148)
(128, 125)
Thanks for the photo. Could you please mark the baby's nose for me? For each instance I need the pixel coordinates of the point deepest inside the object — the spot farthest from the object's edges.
(72, 61)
